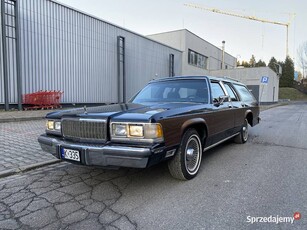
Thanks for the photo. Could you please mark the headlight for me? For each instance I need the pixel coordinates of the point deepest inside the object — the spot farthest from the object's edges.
(57, 125)
(137, 131)
(53, 125)
(50, 125)
(119, 130)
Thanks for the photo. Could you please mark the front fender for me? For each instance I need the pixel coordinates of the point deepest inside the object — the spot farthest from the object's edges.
(197, 123)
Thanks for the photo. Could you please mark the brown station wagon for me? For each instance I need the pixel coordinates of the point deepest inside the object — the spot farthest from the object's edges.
(174, 119)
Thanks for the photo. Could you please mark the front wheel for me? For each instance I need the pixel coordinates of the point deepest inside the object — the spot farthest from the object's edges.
(243, 136)
(185, 164)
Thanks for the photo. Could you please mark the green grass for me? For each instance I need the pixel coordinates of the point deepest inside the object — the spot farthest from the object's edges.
(292, 94)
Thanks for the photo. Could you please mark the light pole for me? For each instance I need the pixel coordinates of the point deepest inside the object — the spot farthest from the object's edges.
(237, 58)
(223, 55)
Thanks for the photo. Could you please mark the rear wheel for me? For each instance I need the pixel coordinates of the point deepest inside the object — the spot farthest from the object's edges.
(185, 164)
(243, 136)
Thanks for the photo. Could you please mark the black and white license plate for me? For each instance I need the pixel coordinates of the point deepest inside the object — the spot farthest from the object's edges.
(71, 154)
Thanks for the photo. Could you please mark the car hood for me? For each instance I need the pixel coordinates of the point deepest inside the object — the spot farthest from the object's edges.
(128, 111)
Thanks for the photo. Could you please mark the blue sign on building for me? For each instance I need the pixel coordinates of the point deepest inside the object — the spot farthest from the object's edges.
(295, 75)
(264, 80)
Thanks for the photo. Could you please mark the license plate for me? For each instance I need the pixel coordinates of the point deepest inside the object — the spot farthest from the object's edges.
(71, 154)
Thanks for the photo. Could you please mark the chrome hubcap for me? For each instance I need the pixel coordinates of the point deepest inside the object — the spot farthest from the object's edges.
(193, 154)
(190, 153)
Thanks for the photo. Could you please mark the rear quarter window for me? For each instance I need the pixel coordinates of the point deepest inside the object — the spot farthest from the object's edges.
(244, 93)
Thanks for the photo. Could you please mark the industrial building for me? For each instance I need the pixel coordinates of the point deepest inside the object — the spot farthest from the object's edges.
(262, 81)
(199, 56)
(46, 45)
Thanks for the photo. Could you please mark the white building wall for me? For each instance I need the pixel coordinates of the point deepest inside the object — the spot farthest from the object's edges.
(268, 93)
(185, 40)
(198, 45)
(175, 38)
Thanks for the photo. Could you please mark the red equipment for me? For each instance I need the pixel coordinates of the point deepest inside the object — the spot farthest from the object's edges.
(42, 100)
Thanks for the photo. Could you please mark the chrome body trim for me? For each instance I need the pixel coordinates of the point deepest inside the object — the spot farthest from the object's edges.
(212, 146)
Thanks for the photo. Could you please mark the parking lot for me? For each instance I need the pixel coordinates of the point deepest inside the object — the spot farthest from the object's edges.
(262, 178)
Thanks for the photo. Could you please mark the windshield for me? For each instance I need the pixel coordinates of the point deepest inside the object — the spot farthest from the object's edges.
(174, 91)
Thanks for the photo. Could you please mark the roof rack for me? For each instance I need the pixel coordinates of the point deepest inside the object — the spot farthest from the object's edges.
(231, 78)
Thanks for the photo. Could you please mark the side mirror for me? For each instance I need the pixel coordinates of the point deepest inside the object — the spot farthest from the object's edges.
(220, 101)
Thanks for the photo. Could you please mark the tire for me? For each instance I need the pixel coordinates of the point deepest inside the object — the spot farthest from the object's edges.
(185, 164)
(243, 136)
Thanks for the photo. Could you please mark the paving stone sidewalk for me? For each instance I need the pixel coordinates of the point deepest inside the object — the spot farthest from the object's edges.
(19, 149)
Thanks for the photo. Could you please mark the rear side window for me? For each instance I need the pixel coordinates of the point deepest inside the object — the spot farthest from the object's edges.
(244, 93)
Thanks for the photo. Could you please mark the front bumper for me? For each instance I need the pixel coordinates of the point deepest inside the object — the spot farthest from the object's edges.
(99, 155)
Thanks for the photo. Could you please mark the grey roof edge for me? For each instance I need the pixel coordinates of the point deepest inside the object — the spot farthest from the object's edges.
(208, 77)
(110, 23)
(172, 31)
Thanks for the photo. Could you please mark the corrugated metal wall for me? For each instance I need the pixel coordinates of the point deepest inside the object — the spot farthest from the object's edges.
(1, 66)
(147, 60)
(63, 49)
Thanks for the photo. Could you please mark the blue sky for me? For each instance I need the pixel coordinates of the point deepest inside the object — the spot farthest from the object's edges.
(243, 37)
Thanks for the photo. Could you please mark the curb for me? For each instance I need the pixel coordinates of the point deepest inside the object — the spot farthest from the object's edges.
(26, 168)
(14, 119)
(271, 107)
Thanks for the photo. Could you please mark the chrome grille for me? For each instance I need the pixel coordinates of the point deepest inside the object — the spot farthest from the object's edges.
(84, 129)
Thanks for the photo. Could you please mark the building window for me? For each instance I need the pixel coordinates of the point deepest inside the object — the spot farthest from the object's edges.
(197, 59)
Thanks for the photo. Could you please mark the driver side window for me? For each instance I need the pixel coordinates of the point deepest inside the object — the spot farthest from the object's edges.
(216, 90)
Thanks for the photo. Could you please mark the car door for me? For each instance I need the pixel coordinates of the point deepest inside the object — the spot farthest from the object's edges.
(222, 116)
(237, 105)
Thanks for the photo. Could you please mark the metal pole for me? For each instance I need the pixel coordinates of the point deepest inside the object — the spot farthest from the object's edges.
(124, 71)
(287, 46)
(18, 61)
(118, 71)
(223, 55)
(121, 70)
(4, 55)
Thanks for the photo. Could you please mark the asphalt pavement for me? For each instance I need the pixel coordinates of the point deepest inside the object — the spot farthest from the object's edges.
(260, 180)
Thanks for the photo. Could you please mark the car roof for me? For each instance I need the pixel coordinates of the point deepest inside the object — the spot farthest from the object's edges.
(227, 79)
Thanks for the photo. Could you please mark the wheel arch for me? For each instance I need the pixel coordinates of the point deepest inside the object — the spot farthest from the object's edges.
(249, 116)
(199, 125)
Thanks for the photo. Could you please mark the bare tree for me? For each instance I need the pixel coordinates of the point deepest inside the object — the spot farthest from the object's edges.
(302, 57)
